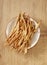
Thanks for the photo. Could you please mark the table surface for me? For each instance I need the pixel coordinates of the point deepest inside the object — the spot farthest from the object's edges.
(37, 9)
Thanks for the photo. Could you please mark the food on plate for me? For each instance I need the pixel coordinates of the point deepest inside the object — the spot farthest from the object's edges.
(22, 33)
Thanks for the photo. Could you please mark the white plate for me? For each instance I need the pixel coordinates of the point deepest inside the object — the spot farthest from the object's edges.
(35, 38)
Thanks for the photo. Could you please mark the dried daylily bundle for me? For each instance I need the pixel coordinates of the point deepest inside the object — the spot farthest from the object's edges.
(22, 33)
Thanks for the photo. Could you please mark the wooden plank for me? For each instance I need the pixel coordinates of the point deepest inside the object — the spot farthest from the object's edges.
(37, 9)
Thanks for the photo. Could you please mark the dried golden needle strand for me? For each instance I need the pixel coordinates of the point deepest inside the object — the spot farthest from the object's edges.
(25, 50)
(19, 17)
(23, 44)
(20, 41)
(15, 43)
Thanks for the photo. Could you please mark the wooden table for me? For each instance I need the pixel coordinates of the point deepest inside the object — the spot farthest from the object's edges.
(37, 9)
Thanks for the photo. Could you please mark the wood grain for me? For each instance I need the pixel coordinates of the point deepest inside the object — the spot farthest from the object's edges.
(37, 9)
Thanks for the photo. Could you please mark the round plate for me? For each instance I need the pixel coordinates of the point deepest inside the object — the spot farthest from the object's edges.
(35, 38)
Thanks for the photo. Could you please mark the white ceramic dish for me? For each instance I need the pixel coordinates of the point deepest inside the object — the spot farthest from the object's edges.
(35, 38)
